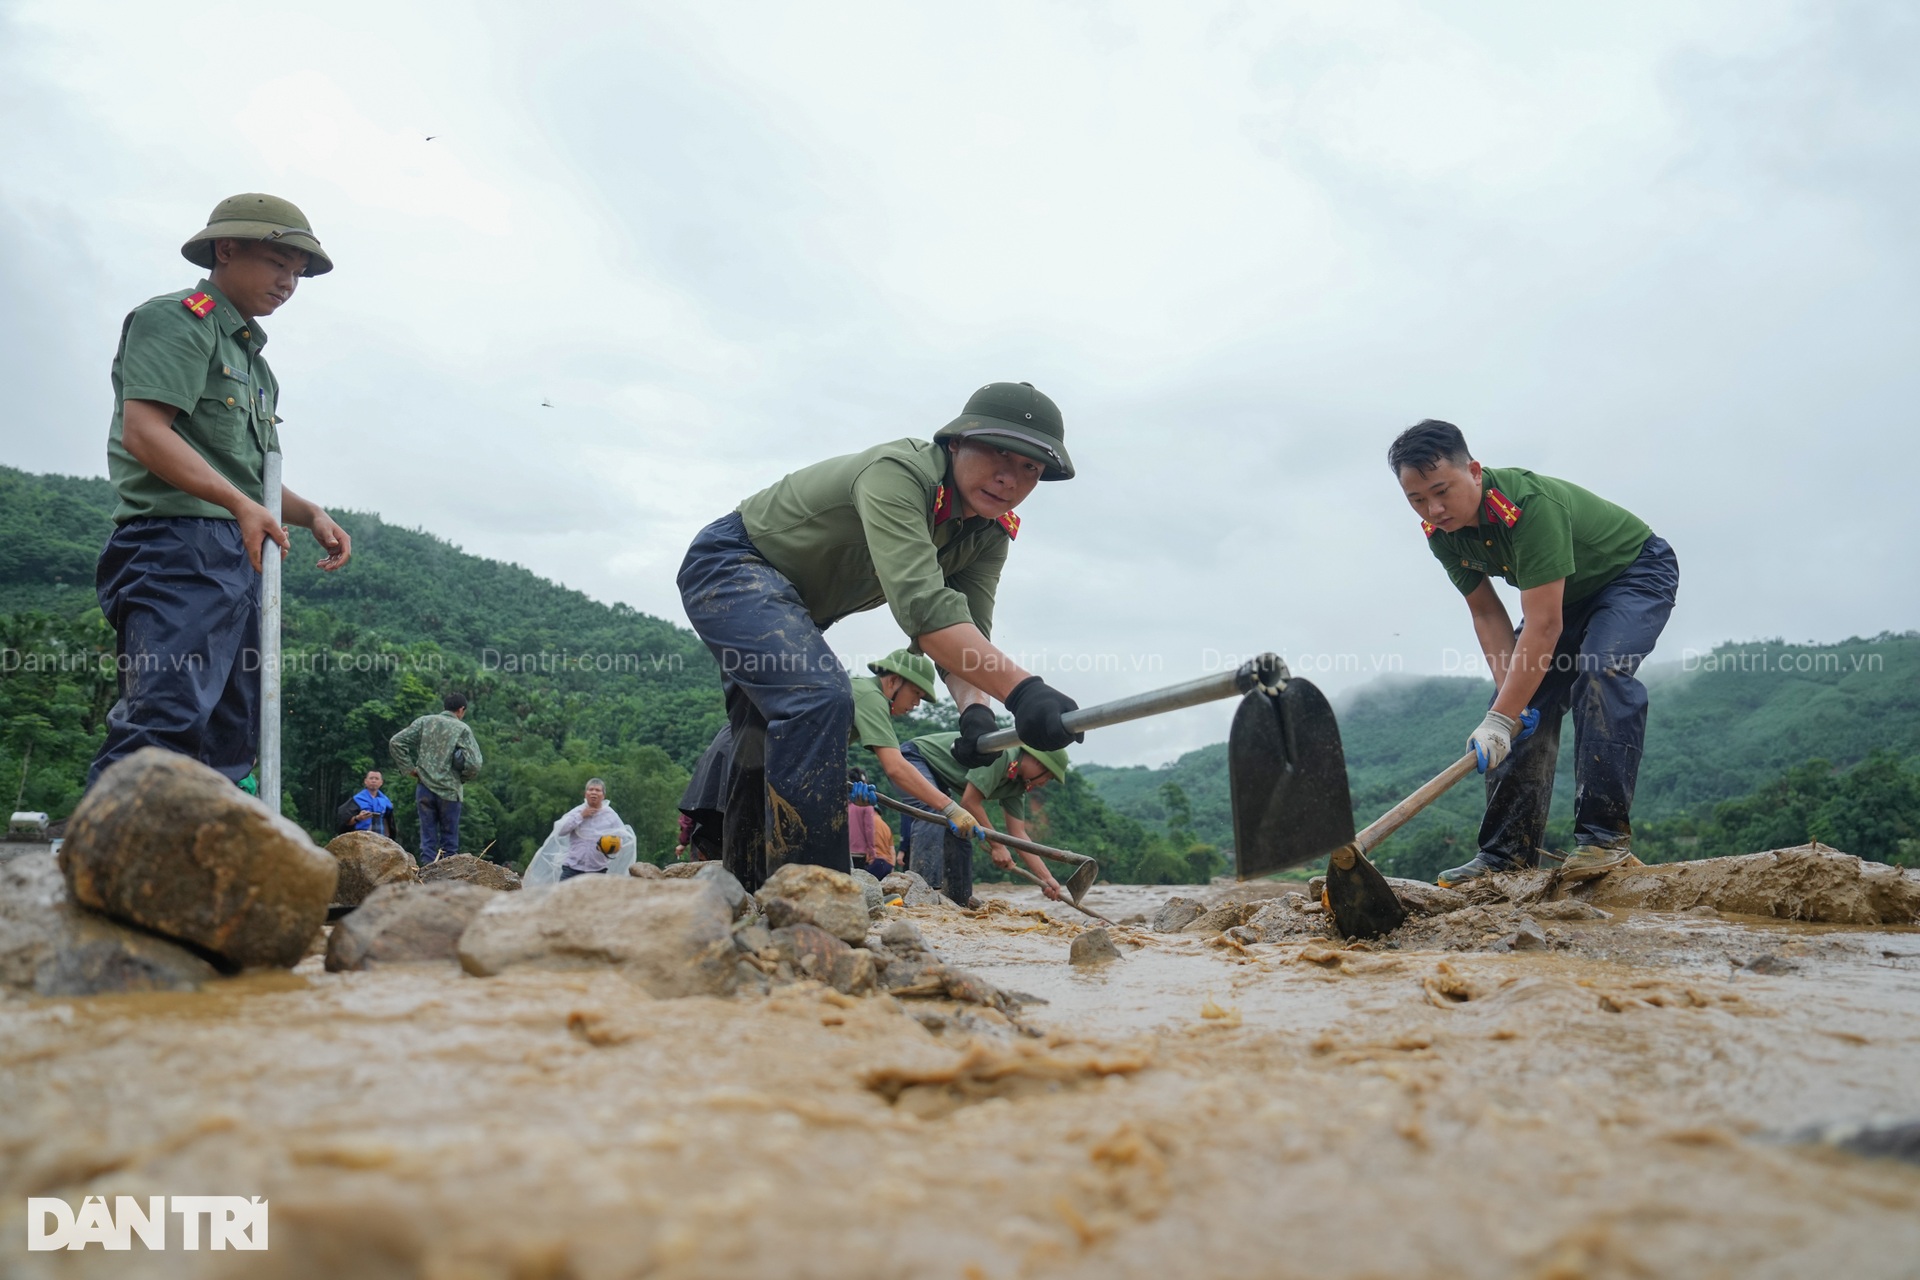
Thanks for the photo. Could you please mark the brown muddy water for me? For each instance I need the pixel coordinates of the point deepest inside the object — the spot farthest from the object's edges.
(1194, 1109)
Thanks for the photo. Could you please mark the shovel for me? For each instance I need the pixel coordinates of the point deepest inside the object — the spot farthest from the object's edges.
(1086, 870)
(1268, 672)
(1363, 904)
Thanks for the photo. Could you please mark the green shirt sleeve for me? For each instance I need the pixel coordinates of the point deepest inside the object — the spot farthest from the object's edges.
(1468, 580)
(168, 351)
(403, 744)
(872, 722)
(474, 758)
(893, 512)
(1542, 544)
(979, 580)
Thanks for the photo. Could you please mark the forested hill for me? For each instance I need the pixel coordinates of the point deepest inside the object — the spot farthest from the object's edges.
(1735, 729)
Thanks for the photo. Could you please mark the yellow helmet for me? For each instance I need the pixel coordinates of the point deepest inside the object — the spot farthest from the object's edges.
(609, 845)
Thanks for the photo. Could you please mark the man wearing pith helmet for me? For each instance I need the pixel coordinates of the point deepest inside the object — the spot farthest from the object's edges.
(923, 527)
(195, 413)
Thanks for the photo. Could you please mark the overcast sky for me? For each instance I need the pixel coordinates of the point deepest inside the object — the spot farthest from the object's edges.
(1665, 251)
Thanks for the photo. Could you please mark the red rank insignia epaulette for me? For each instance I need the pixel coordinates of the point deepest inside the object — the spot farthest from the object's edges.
(1429, 529)
(200, 304)
(943, 507)
(1011, 523)
(1500, 507)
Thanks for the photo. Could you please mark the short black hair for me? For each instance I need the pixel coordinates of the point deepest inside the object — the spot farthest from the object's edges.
(1427, 444)
(454, 702)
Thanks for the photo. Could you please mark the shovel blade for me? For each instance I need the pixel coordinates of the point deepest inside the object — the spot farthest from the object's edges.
(1081, 880)
(1362, 902)
(1288, 778)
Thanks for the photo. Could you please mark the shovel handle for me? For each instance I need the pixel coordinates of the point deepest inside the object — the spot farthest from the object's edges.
(1268, 671)
(1401, 814)
(1027, 875)
(1048, 852)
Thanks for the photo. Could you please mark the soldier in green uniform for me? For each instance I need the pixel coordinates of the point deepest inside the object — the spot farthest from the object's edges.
(1596, 587)
(898, 683)
(921, 526)
(194, 416)
(943, 855)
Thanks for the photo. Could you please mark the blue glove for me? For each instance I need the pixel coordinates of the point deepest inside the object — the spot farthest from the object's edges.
(865, 793)
(1529, 721)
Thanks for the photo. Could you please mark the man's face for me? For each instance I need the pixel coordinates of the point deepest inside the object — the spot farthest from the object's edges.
(596, 795)
(1030, 771)
(902, 694)
(1447, 497)
(992, 482)
(256, 275)
(373, 781)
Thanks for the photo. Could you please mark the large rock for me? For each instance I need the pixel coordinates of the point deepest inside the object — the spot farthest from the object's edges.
(670, 936)
(49, 946)
(166, 843)
(1808, 882)
(1423, 899)
(468, 869)
(913, 890)
(870, 887)
(1095, 946)
(1177, 913)
(368, 861)
(830, 900)
(406, 923)
(727, 883)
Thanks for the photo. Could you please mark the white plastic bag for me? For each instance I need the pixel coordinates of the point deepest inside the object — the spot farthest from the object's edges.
(551, 856)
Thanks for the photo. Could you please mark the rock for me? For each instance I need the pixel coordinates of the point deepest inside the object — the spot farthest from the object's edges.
(1095, 946)
(51, 946)
(729, 885)
(670, 937)
(1223, 917)
(1770, 963)
(913, 891)
(166, 843)
(1878, 1139)
(970, 989)
(1807, 882)
(800, 894)
(1317, 888)
(683, 870)
(405, 923)
(752, 937)
(903, 936)
(1528, 936)
(1568, 909)
(368, 861)
(645, 871)
(811, 950)
(1423, 899)
(876, 900)
(854, 973)
(468, 869)
(1177, 913)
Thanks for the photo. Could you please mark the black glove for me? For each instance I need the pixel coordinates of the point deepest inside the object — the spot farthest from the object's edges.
(976, 722)
(1037, 707)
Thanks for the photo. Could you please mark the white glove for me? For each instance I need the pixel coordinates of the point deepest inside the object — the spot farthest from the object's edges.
(959, 821)
(1492, 740)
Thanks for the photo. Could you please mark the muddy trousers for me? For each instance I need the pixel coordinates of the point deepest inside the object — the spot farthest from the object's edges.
(789, 704)
(938, 856)
(184, 605)
(1603, 640)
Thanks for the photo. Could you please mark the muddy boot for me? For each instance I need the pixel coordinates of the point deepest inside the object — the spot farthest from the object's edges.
(1454, 877)
(1589, 861)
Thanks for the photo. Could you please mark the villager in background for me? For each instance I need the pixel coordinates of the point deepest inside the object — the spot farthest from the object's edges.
(594, 832)
(869, 838)
(923, 527)
(370, 808)
(1596, 587)
(703, 804)
(442, 754)
(941, 855)
(194, 417)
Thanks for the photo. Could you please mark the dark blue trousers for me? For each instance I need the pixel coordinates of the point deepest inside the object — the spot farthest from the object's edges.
(1603, 640)
(439, 824)
(941, 858)
(788, 701)
(184, 604)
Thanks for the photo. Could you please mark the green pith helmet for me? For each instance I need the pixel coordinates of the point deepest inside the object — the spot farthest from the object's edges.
(1014, 416)
(915, 668)
(1056, 761)
(254, 216)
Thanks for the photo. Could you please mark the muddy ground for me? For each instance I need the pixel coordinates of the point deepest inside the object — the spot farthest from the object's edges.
(1609, 1104)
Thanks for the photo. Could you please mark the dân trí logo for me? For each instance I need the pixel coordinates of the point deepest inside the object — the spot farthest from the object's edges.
(232, 1222)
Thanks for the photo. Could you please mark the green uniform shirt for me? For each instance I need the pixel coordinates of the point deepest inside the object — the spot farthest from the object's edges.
(872, 720)
(193, 351)
(879, 527)
(427, 746)
(1010, 793)
(1534, 530)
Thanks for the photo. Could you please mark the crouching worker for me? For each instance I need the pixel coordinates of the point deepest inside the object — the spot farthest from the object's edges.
(943, 855)
(194, 417)
(921, 526)
(1596, 587)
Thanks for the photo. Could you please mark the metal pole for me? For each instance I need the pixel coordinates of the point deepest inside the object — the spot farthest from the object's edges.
(270, 648)
(1267, 671)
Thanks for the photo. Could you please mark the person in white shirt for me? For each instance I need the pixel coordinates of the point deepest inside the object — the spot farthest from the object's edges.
(584, 826)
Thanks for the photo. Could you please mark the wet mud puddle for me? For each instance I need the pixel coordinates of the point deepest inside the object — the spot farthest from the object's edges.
(1199, 1107)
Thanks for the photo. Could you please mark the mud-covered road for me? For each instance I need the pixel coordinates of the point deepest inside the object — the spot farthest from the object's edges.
(1609, 1106)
